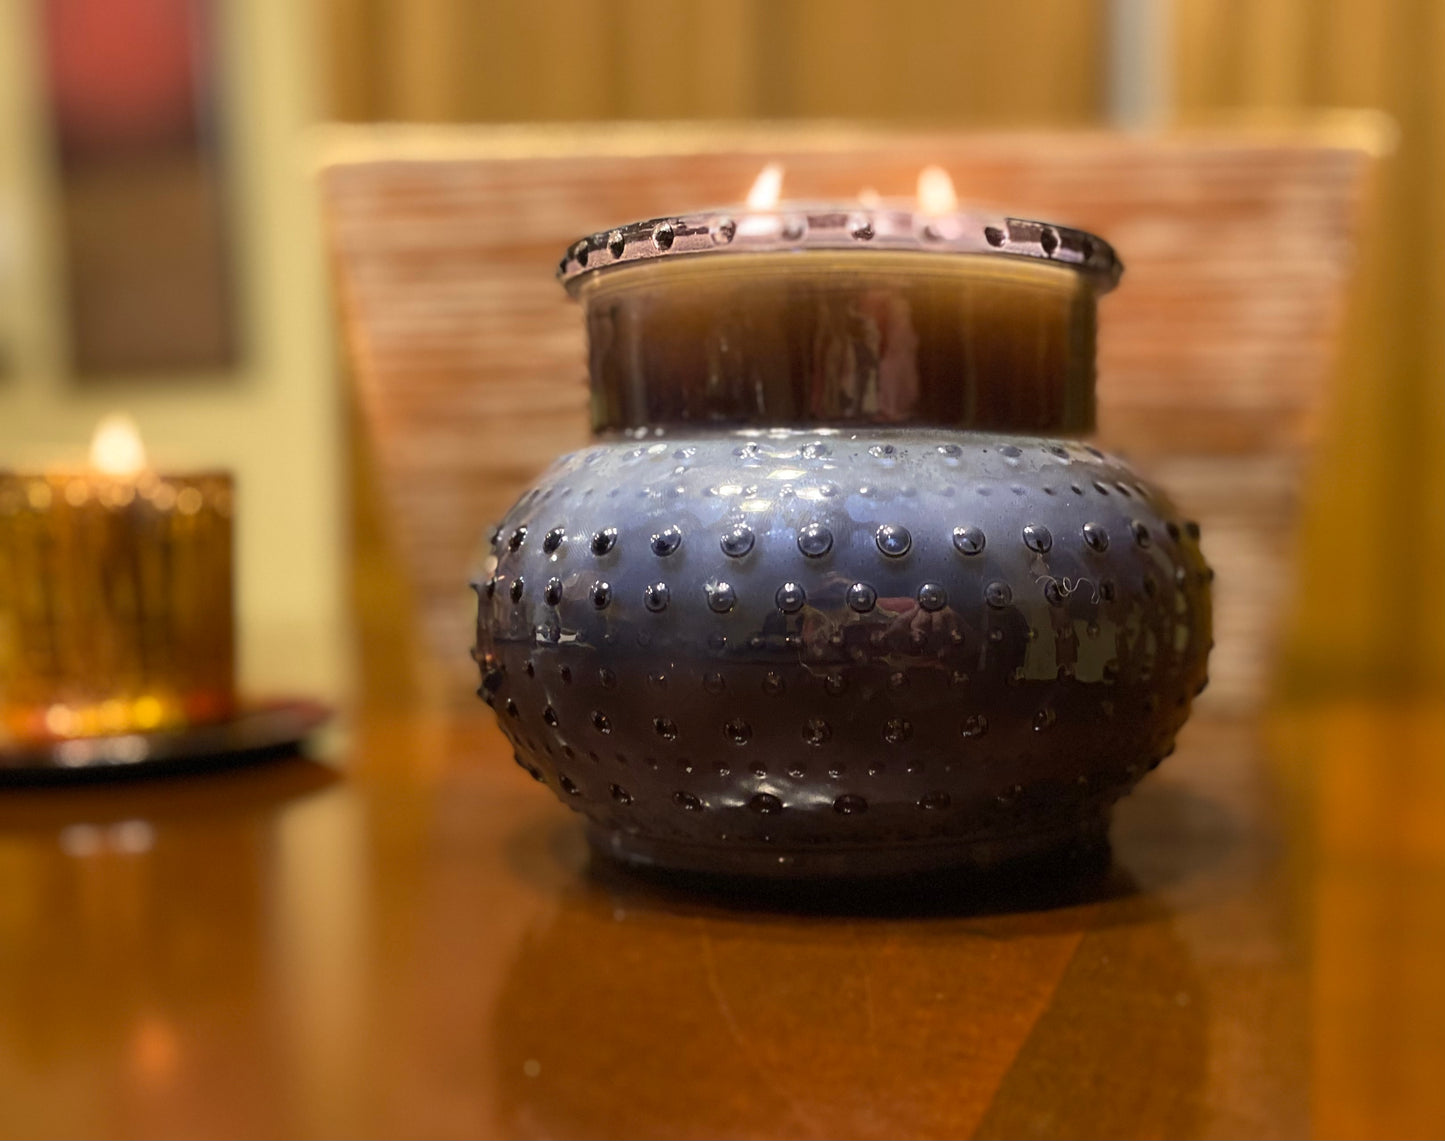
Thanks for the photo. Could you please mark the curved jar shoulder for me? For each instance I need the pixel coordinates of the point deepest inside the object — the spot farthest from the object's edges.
(819, 651)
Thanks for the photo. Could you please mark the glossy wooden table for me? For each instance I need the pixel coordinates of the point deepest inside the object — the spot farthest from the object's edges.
(414, 943)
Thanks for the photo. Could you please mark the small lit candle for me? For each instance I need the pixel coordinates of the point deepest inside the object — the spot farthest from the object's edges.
(115, 596)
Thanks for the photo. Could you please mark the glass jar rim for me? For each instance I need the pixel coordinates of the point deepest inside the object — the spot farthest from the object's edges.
(801, 226)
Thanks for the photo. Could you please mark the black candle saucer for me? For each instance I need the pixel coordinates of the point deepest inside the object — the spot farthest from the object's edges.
(257, 731)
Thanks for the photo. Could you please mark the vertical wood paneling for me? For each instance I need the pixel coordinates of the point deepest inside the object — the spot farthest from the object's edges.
(1027, 61)
(1034, 61)
(424, 81)
(556, 61)
(348, 45)
(656, 53)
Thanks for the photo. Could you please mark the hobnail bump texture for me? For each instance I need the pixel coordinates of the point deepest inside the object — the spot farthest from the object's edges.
(800, 652)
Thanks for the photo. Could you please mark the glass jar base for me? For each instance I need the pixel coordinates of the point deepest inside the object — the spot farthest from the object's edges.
(1081, 840)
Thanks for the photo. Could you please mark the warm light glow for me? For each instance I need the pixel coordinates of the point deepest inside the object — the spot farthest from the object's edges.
(767, 188)
(115, 449)
(869, 197)
(935, 191)
(155, 1050)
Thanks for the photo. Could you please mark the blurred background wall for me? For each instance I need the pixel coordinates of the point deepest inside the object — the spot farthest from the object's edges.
(1372, 615)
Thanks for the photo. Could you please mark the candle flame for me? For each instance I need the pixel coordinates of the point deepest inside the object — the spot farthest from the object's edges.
(935, 191)
(767, 188)
(116, 447)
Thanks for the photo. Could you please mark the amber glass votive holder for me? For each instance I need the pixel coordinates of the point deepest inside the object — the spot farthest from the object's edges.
(115, 603)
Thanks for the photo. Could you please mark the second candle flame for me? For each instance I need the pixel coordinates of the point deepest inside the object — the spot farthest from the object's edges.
(935, 191)
(767, 188)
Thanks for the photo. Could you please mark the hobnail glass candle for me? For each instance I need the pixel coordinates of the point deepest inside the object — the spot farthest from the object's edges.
(841, 588)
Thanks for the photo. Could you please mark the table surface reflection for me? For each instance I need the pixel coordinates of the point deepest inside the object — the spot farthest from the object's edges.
(413, 941)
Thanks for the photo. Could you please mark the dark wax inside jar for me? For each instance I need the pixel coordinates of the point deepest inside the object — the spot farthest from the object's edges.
(842, 337)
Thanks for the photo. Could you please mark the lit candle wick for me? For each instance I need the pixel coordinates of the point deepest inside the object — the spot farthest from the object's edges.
(767, 188)
(935, 192)
(116, 447)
